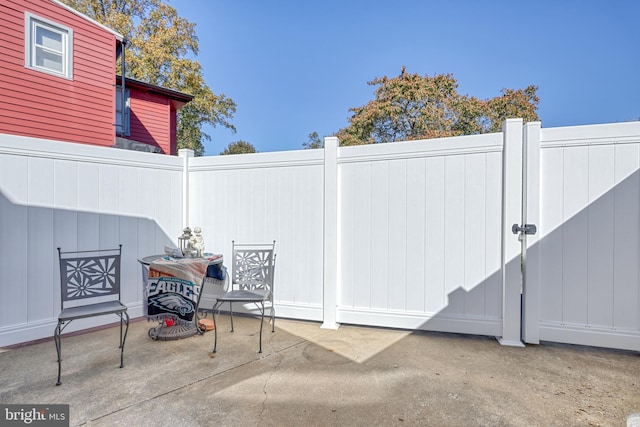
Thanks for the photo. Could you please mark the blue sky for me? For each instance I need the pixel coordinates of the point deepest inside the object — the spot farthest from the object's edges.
(295, 67)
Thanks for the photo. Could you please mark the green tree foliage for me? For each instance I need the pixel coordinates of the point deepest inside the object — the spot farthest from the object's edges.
(410, 106)
(160, 51)
(239, 147)
(313, 142)
(521, 103)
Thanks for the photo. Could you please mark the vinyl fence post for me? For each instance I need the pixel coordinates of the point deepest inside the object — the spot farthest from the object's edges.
(330, 255)
(531, 250)
(511, 214)
(185, 153)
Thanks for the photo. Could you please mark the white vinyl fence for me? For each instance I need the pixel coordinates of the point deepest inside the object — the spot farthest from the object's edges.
(413, 235)
(56, 194)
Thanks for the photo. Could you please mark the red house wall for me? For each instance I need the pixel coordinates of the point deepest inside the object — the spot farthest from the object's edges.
(150, 119)
(41, 105)
(174, 131)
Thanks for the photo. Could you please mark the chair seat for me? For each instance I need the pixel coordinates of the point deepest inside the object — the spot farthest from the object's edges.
(98, 309)
(242, 295)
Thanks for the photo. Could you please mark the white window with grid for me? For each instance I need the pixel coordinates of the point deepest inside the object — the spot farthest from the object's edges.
(48, 46)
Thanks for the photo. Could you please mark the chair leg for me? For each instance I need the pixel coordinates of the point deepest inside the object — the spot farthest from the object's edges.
(273, 318)
(121, 321)
(261, 323)
(56, 337)
(123, 337)
(231, 314)
(215, 328)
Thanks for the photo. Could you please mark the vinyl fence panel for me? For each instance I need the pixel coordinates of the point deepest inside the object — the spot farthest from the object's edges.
(258, 198)
(587, 253)
(414, 245)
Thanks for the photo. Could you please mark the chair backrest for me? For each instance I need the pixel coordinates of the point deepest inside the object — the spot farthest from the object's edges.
(253, 266)
(92, 276)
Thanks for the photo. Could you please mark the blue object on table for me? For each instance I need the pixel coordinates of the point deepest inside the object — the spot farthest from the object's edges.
(217, 271)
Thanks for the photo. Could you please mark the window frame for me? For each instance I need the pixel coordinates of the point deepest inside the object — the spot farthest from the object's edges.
(31, 49)
(127, 109)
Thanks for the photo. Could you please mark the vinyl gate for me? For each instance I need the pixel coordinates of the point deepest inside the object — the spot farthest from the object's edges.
(581, 189)
(420, 236)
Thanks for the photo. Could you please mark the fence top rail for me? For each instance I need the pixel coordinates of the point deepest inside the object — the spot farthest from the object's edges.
(610, 133)
(459, 145)
(257, 160)
(59, 150)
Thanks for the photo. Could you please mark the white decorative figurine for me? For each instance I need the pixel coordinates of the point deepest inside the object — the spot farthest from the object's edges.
(197, 241)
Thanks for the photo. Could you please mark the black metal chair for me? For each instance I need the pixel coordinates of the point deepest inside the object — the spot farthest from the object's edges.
(252, 272)
(90, 286)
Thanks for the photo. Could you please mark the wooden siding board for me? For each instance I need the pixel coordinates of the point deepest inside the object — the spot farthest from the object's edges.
(11, 24)
(63, 137)
(89, 73)
(45, 117)
(10, 52)
(16, 90)
(19, 76)
(70, 123)
(95, 60)
(19, 102)
(28, 127)
(10, 12)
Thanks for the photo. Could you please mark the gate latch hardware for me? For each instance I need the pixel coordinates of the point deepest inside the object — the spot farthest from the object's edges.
(526, 229)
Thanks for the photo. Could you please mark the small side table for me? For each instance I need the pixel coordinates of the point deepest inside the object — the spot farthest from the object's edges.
(176, 331)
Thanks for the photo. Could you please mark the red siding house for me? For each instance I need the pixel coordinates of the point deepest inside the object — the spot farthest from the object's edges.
(58, 81)
(150, 117)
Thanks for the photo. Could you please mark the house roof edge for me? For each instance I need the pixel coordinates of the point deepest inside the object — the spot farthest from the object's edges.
(173, 94)
(117, 35)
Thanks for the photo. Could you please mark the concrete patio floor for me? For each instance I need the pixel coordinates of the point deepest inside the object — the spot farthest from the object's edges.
(307, 376)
